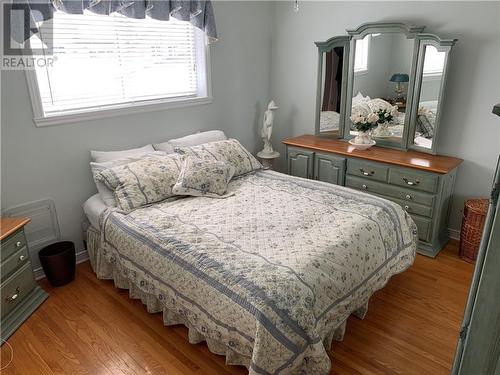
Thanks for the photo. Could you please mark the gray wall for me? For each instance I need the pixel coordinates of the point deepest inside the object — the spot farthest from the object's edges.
(468, 131)
(52, 162)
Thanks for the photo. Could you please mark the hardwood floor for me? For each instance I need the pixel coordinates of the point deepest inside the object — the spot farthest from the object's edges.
(90, 327)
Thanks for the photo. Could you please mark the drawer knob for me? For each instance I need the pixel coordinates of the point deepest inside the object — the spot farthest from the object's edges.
(364, 187)
(19, 244)
(408, 196)
(22, 257)
(13, 297)
(411, 183)
(407, 208)
(371, 173)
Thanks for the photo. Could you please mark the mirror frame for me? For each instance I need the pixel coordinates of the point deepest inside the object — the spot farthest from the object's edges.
(325, 47)
(360, 32)
(442, 45)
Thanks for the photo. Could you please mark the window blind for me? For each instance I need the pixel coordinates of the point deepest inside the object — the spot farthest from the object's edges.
(104, 61)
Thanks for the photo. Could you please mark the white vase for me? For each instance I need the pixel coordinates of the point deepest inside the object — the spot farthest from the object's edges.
(382, 130)
(363, 138)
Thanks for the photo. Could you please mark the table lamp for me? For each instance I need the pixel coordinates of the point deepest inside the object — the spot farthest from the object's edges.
(399, 78)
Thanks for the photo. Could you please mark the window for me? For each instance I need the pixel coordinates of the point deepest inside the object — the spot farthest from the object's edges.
(112, 62)
(361, 52)
(433, 62)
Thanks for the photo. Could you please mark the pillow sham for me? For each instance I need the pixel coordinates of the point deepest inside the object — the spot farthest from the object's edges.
(230, 151)
(102, 156)
(143, 182)
(204, 178)
(191, 140)
(105, 193)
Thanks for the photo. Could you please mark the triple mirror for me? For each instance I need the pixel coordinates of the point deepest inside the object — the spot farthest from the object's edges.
(383, 66)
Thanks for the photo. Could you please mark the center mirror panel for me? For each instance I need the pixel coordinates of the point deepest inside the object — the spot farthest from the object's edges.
(382, 69)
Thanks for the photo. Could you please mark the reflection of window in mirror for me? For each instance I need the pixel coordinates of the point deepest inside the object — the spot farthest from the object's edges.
(361, 54)
(429, 96)
(433, 62)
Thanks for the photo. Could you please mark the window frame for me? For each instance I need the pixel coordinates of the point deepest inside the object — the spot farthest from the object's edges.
(121, 109)
(365, 68)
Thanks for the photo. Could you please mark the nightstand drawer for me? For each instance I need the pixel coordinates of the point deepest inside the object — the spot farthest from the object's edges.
(367, 170)
(16, 288)
(14, 262)
(13, 243)
(414, 180)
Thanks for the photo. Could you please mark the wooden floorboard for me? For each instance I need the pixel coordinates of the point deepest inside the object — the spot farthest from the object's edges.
(90, 327)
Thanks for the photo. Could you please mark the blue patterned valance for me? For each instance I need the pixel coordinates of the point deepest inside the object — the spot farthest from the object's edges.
(198, 12)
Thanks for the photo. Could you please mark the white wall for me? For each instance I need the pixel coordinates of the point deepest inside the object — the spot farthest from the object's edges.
(468, 129)
(52, 162)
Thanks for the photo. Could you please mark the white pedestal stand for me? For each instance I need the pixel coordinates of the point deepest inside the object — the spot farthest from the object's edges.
(267, 159)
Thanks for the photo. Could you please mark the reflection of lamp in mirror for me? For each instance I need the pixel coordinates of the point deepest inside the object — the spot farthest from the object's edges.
(400, 79)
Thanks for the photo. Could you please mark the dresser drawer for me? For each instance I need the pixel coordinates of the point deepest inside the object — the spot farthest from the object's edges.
(392, 191)
(414, 179)
(12, 244)
(372, 171)
(414, 208)
(16, 288)
(424, 227)
(14, 262)
(388, 192)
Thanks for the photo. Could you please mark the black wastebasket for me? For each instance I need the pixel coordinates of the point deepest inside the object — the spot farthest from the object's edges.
(58, 262)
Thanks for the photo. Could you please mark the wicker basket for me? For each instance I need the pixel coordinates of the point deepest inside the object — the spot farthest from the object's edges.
(472, 228)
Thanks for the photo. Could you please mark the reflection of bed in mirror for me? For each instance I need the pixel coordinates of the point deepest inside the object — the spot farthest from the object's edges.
(362, 104)
(329, 121)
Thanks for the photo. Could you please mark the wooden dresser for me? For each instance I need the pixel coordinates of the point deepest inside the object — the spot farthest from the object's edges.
(20, 294)
(421, 183)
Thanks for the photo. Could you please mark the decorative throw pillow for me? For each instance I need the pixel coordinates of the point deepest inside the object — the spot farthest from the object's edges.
(204, 178)
(229, 151)
(142, 182)
(105, 193)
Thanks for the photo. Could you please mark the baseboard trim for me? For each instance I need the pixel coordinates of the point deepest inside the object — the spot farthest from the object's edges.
(81, 257)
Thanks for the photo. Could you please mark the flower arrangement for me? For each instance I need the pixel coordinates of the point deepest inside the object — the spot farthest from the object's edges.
(363, 123)
(386, 115)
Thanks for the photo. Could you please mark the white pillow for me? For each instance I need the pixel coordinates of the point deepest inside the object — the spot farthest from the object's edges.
(103, 156)
(105, 193)
(359, 98)
(191, 140)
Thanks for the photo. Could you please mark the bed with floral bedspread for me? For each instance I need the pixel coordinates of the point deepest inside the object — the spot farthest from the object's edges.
(268, 276)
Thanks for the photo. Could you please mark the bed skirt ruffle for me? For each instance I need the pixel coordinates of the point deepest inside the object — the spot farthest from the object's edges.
(106, 267)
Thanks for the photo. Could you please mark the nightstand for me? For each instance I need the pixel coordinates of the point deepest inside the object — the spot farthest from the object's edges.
(20, 294)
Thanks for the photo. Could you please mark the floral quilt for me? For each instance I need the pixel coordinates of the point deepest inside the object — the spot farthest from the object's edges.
(271, 271)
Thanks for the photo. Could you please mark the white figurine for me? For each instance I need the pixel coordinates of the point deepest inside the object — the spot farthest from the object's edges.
(266, 132)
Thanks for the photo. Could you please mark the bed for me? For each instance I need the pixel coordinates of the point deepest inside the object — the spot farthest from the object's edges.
(268, 276)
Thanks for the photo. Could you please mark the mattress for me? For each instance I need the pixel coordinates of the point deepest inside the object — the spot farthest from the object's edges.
(267, 276)
(93, 208)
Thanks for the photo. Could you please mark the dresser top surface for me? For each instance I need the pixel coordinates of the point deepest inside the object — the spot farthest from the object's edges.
(9, 225)
(410, 159)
